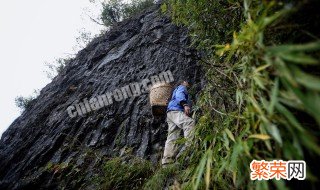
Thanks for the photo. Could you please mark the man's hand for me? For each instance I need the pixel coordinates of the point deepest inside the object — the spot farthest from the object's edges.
(186, 110)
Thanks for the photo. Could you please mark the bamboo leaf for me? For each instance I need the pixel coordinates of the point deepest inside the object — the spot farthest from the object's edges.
(268, 20)
(200, 170)
(260, 136)
(284, 71)
(311, 143)
(310, 100)
(298, 58)
(226, 141)
(274, 96)
(239, 97)
(262, 67)
(208, 169)
(274, 132)
(230, 135)
(307, 80)
(295, 48)
(258, 81)
(291, 118)
(236, 152)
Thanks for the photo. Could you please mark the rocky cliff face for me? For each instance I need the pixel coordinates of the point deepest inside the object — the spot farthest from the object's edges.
(44, 136)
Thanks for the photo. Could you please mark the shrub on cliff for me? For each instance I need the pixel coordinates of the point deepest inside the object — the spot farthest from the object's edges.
(25, 102)
(56, 66)
(116, 10)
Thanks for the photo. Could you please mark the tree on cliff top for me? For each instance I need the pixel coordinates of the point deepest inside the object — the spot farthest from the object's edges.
(116, 10)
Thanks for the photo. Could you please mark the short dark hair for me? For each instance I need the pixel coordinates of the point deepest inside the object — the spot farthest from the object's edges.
(181, 81)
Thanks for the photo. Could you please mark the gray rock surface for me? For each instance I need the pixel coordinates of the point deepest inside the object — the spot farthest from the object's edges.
(44, 134)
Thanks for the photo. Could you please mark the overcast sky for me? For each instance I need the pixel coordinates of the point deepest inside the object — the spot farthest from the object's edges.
(31, 33)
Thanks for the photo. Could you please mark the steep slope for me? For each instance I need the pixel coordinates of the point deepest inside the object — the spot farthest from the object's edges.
(45, 135)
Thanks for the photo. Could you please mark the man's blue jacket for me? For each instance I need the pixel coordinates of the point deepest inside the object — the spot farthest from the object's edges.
(178, 99)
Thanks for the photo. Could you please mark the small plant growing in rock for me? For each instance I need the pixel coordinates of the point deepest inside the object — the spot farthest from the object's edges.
(25, 102)
(57, 66)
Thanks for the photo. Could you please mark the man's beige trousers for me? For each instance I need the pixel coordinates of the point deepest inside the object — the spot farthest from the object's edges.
(177, 121)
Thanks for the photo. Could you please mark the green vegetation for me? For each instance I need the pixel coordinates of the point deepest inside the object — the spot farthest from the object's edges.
(57, 66)
(119, 173)
(68, 174)
(117, 10)
(262, 98)
(25, 102)
(160, 178)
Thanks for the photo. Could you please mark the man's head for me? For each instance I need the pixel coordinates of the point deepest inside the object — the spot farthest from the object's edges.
(185, 83)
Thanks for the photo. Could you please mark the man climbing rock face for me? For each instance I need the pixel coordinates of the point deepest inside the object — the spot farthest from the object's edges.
(178, 118)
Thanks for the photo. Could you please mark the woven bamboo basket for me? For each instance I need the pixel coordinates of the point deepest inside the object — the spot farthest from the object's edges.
(159, 97)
